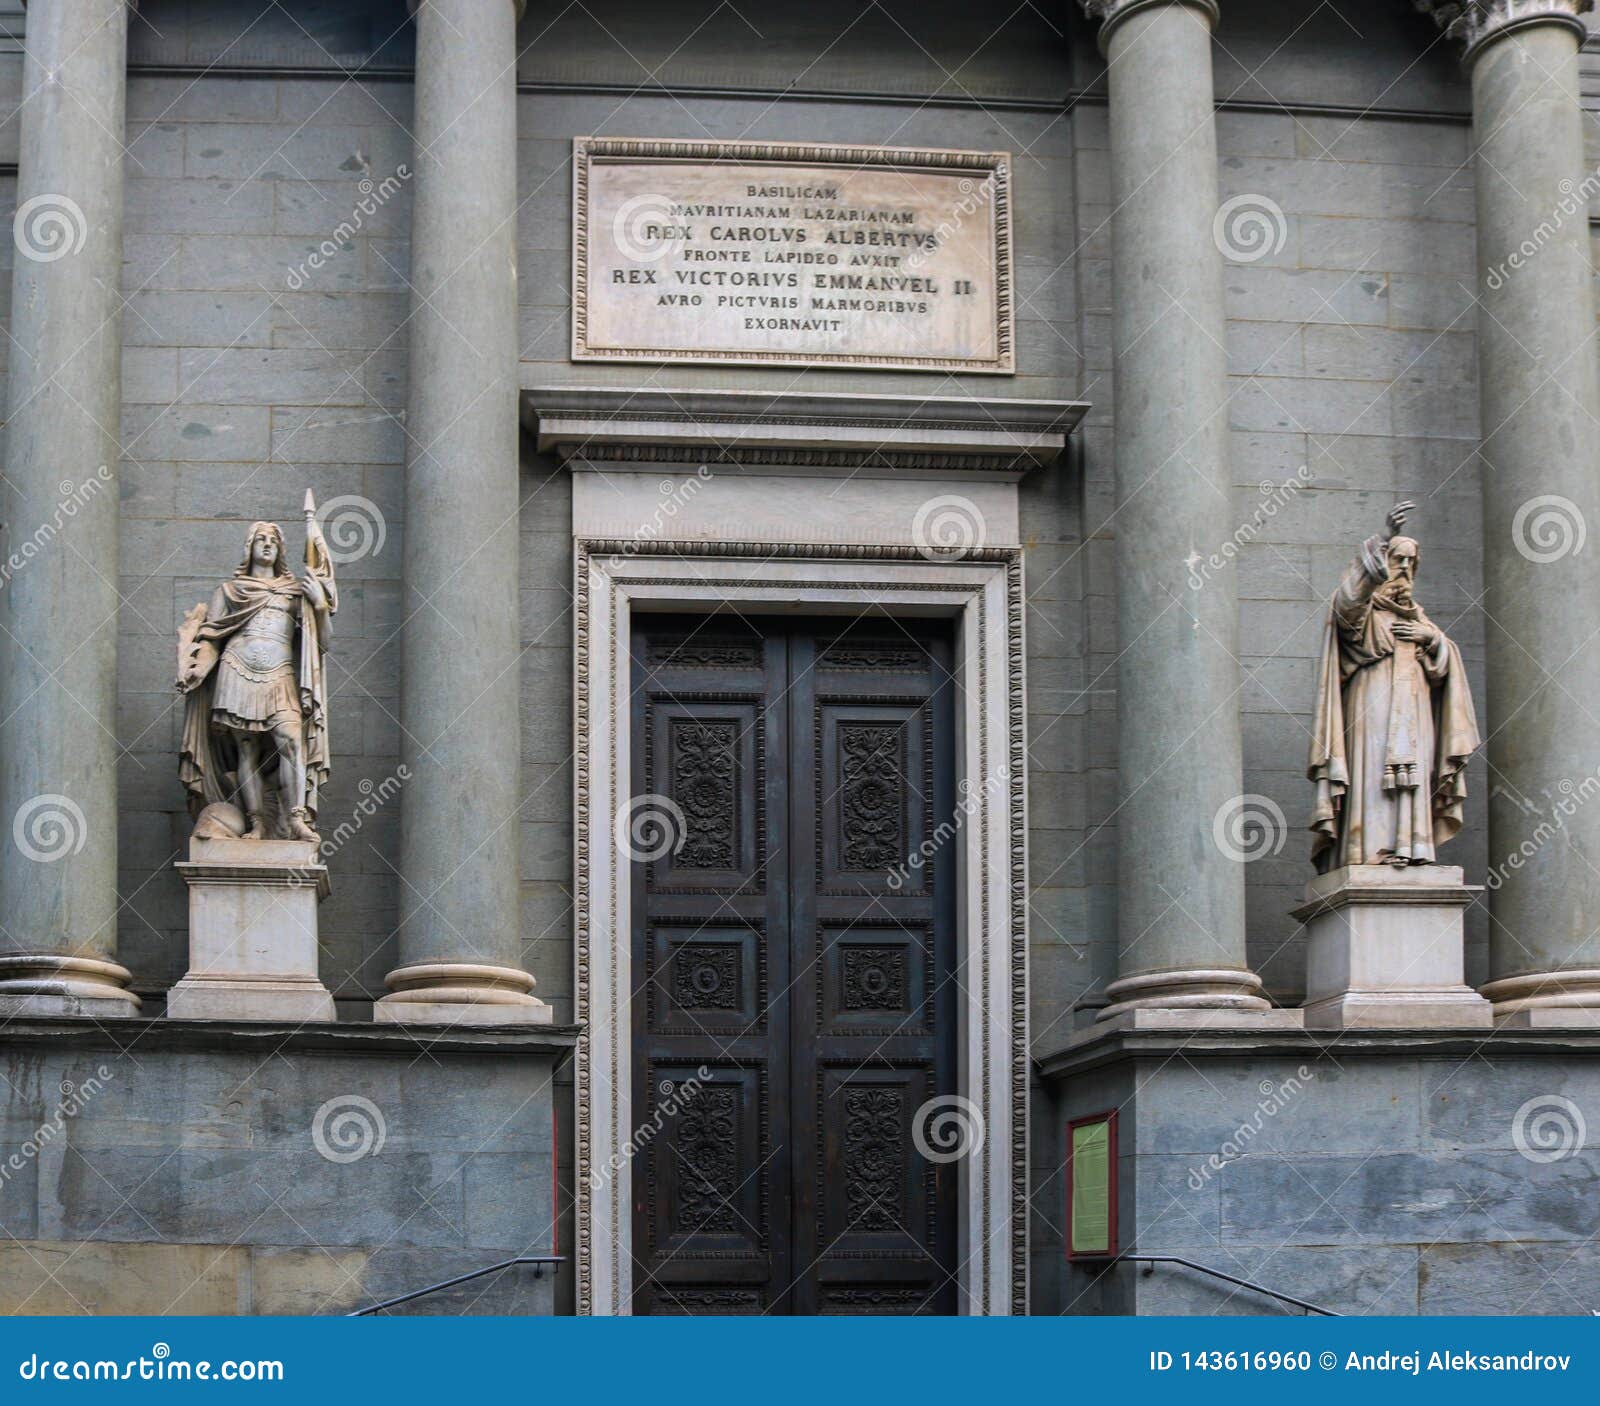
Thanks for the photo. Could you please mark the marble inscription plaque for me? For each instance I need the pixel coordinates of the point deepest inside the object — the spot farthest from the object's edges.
(791, 255)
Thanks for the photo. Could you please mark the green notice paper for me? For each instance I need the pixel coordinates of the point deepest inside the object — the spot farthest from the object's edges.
(1091, 1189)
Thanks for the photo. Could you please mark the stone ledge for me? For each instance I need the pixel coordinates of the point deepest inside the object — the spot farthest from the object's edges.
(339, 1037)
(643, 428)
(1113, 1046)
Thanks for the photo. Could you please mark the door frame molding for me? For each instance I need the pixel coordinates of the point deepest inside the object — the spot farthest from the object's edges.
(982, 591)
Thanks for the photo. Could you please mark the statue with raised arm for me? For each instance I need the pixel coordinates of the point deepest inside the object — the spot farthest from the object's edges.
(252, 669)
(1394, 724)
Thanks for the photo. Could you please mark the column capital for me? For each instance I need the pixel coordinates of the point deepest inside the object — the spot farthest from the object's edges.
(1111, 13)
(520, 6)
(1478, 23)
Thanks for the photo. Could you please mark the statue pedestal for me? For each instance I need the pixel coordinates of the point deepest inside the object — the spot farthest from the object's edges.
(1384, 950)
(252, 932)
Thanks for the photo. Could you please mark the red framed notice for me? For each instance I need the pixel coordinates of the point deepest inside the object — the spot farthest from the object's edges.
(1092, 1186)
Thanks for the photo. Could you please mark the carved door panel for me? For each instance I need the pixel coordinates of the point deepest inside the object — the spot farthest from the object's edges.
(793, 951)
(710, 951)
(874, 997)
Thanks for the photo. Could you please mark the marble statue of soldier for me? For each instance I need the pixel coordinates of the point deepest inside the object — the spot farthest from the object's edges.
(1394, 723)
(252, 668)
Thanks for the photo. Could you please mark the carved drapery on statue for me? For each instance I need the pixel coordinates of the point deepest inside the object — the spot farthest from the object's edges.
(252, 668)
(1394, 724)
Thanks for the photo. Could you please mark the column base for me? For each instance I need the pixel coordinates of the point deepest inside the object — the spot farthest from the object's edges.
(1219, 1018)
(1563, 1000)
(1452, 1008)
(253, 932)
(1192, 991)
(1385, 950)
(53, 984)
(203, 996)
(460, 993)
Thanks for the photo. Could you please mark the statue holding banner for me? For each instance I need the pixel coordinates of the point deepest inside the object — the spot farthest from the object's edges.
(252, 669)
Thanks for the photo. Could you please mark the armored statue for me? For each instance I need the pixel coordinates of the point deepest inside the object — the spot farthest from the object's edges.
(252, 668)
(1394, 724)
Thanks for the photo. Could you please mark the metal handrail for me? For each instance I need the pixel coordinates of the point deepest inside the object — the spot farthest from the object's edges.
(537, 1261)
(1151, 1261)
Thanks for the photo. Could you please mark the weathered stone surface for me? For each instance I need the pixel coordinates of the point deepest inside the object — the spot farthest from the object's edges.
(168, 1159)
(1385, 948)
(460, 704)
(204, 254)
(253, 944)
(1364, 1180)
(96, 1278)
(58, 645)
(942, 299)
(1508, 1277)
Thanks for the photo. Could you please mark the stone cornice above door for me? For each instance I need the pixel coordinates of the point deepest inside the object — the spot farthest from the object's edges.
(810, 435)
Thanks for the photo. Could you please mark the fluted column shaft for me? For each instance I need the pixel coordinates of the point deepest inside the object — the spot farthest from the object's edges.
(1540, 397)
(1181, 915)
(460, 934)
(58, 595)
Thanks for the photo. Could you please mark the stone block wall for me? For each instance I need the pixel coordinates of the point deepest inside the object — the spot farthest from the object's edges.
(1354, 360)
(265, 1172)
(1449, 1177)
(259, 361)
(1047, 335)
(1349, 280)
(264, 353)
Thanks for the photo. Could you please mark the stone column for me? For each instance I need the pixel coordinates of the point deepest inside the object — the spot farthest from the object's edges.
(460, 933)
(1540, 398)
(1181, 917)
(58, 603)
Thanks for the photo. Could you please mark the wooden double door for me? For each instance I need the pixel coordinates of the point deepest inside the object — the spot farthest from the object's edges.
(794, 998)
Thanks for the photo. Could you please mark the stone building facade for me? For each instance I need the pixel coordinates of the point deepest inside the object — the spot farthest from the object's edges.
(1266, 270)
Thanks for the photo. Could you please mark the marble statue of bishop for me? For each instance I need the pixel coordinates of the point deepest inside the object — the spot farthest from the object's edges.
(1394, 724)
